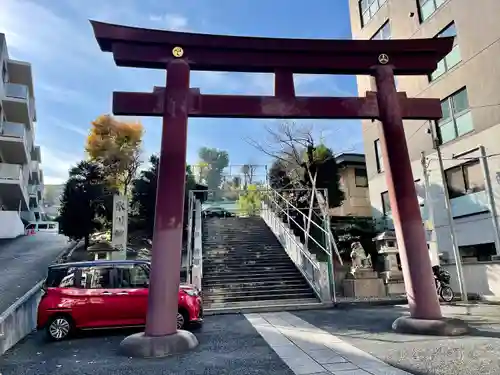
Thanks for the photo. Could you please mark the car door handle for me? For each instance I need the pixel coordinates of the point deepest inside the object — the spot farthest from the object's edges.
(122, 293)
(107, 293)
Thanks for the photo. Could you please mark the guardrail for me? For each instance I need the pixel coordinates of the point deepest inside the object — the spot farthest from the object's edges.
(20, 319)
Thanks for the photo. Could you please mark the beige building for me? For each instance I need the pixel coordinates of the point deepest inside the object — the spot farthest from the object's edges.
(354, 183)
(467, 82)
(21, 178)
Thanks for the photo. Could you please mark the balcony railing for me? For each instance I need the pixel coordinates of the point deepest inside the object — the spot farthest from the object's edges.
(11, 172)
(13, 129)
(17, 91)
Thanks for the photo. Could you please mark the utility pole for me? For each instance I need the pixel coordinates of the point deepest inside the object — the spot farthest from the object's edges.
(491, 198)
(428, 203)
(453, 235)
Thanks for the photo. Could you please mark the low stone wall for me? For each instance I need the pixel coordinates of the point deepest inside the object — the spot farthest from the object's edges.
(19, 319)
(481, 278)
(197, 269)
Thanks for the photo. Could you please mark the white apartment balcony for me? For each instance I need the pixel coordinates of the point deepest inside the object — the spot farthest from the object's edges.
(13, 187)
(35, 192)
(15, 143)
(18, 104)
(20, 73)
(35, 171)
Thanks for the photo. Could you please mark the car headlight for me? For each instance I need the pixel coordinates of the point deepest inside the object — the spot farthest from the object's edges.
(191, 292)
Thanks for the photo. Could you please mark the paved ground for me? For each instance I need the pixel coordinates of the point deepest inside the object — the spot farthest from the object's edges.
(370, 330)
(228, 345)
(358, 341)
(24, 261)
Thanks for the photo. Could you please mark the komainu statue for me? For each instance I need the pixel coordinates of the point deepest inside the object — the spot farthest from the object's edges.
(359, 258)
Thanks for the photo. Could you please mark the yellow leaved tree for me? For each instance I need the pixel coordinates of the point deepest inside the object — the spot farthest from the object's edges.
(116, 144)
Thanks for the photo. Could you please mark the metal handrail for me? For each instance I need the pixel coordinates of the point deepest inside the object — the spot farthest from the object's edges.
(303, 229)
(288, 203)
(313, 262)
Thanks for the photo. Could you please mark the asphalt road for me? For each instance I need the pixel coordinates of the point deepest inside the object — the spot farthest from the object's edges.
(24, 261)
(369, 329)
(229, 345)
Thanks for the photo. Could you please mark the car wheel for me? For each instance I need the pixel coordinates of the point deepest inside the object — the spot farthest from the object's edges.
(182, 319)
(59, 328)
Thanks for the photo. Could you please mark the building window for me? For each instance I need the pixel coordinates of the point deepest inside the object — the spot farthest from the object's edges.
(384, 33)
(378, 156)
(360, 177)
(457, 118)
(427, 8)
(368, 8)
(482, 252)
(386, 204)
(451, 59)
(465, 179)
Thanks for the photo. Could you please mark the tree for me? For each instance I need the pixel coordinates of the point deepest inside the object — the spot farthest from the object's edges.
(248, 171)
(117, 146)
(86, 203)
(278, 176)
(250, 201)
(309, 167)
(143, 200)
(215, 161)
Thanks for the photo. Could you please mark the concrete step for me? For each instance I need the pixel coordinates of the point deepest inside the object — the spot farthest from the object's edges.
(255, 292)
(247, 260)
(271, 284)
(259, 297)
(288, 276)
(251, 273)
(248, 267)
(264, 306)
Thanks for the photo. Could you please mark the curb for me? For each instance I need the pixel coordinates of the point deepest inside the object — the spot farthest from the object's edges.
(344, 305)
(20, 318)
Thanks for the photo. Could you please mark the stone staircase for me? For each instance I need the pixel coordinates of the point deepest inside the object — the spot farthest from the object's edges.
(244, 266)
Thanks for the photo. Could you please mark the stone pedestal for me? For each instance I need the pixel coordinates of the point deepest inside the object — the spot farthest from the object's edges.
(364, 283)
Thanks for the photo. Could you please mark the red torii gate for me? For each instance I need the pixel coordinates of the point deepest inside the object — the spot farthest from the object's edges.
(178, 53)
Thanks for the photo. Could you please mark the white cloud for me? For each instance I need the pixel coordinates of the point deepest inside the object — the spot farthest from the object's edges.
(171, 21)
(56, 164)
(67, 126)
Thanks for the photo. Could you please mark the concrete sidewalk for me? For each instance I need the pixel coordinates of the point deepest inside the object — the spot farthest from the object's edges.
(369, 329)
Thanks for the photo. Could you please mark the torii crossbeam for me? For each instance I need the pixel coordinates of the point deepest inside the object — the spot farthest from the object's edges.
(178, 53)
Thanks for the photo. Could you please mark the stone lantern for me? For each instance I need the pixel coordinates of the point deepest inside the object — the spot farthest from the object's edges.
(387, 246)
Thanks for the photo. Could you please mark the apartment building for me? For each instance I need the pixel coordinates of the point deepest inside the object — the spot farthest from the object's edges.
(467, 82)
(21, 179)
(354, 184)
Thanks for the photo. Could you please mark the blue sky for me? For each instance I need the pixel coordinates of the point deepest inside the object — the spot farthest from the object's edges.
(74, 79)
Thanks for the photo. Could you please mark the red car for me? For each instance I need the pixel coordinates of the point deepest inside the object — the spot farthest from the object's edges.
(104, 294)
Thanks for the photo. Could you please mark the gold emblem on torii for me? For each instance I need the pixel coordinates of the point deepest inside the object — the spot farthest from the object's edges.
(177, 52)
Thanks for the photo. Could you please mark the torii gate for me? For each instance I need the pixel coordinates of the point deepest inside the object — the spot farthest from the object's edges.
(179, 53)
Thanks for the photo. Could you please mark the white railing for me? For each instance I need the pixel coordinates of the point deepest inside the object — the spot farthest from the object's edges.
(11, 171)
(276, 212)
(17, 91)
(16, 130)
(194, 243)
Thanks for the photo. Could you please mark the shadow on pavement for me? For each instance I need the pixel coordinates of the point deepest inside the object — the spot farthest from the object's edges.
(228, 345)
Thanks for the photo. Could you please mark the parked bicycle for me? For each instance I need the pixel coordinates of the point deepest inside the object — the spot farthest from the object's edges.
(442, 280)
